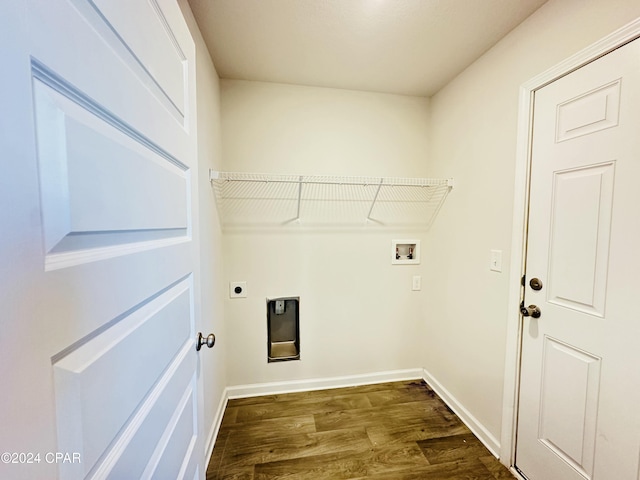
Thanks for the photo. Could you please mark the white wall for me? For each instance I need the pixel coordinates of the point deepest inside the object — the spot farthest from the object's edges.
(213, 362)
(357, 313)
(473, 138)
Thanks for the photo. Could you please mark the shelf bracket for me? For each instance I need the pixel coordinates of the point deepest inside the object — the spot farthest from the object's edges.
(299, 197)
(375, 197)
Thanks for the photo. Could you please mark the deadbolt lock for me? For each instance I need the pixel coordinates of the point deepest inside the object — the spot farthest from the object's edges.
(530, 311)
(535, 283)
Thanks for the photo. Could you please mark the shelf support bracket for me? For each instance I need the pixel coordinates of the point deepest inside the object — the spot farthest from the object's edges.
(375, 197)
(299, 197)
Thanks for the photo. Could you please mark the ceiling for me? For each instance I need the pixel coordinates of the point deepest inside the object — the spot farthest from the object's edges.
(409, 47)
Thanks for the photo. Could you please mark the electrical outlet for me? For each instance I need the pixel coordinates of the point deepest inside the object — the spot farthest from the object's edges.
(417, 283)
(237, 289)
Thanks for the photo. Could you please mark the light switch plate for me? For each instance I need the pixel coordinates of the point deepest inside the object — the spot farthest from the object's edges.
(417, 283)
(495, 264)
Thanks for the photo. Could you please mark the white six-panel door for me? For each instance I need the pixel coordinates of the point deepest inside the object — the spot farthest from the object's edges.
(580, 375)
(99, 264)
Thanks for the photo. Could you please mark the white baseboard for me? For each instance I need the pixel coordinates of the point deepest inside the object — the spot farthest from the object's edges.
(516, 474)
(272, 388)
(215, 427)
(478, 429)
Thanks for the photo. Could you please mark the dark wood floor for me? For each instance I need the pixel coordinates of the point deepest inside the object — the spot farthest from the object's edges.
(390, 431)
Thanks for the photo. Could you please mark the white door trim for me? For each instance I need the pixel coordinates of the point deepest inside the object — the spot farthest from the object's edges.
(618, 38)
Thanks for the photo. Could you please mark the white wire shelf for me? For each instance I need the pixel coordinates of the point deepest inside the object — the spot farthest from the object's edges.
(254, 200)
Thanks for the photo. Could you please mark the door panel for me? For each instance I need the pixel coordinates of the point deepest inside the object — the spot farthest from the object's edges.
(136, 448)
(579, 244)
(130, 357)
(578, 416)
(161, 63)
(104, 57)
(162, 60)
(568, 403)
(83, 152)
(99, 284)
(588, 113)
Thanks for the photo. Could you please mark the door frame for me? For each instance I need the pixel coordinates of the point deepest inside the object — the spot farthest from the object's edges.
(510, 400)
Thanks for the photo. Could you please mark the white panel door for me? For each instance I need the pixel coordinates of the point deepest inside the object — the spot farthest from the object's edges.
(579, 415)
(98, 249)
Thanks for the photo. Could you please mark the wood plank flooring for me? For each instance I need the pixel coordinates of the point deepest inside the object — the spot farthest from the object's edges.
(389, 431)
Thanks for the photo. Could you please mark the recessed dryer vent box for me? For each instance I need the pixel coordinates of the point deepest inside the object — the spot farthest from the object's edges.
(283, 329)
(405, 252)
